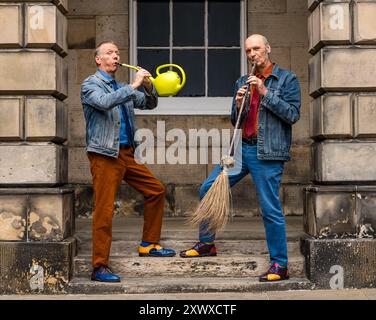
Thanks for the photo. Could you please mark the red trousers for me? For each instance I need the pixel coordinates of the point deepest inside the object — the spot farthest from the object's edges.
(108, 174)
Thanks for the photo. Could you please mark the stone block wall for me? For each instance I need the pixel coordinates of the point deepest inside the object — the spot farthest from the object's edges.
(36, 210)
(341, 83)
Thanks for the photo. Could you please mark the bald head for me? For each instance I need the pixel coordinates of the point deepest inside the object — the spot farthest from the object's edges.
(257, 48)
(259, 37)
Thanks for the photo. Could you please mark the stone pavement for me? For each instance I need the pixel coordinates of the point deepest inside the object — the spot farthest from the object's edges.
(347, 294)
(242, 257)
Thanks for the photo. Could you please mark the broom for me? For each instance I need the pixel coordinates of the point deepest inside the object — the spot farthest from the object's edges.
(214, 209)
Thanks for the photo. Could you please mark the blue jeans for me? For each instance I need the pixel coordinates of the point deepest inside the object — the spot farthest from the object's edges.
(266, 175)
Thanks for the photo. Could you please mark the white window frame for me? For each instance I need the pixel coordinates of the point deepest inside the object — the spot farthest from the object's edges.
(188, 105)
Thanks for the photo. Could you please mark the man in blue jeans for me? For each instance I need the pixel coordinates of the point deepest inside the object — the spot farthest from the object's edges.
(272, 107)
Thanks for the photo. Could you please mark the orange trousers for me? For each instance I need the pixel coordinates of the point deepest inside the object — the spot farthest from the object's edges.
(108, 173)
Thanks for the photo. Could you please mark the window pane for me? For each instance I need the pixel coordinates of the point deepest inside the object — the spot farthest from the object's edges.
(150, 59)
(224, 70)
(193, 63)
(189, 17)
(224, 23)
(153, 23)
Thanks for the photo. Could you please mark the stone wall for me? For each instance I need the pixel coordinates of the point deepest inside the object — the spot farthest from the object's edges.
(36, 209)
(284, 22)
(342, 39)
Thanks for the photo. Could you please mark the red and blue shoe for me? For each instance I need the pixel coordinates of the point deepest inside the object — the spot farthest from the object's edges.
(200, 249)
(104, 274)
(275, 273)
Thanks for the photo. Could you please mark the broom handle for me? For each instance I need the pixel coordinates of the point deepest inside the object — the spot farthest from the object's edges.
(237, 125)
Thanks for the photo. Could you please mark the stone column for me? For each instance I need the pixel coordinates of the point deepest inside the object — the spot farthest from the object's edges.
(36, 209)
(340, 207)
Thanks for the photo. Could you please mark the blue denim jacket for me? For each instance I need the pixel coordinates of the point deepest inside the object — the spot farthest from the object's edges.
(101, 105)
(279, 109)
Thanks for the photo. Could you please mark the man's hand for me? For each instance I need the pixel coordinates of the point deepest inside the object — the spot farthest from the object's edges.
(239, 96)
(258, 84)
(142, 78)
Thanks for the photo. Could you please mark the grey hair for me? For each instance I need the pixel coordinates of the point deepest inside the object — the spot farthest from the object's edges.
(97, 49)
(265, 39)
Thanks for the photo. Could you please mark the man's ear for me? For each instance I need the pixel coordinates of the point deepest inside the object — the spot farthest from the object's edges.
(97, 60)
(268, 49)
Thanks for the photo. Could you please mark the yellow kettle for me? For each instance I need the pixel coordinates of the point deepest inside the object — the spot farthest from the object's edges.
(167, 83)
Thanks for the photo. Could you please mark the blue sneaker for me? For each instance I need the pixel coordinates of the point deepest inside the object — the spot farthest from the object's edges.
(104, 274)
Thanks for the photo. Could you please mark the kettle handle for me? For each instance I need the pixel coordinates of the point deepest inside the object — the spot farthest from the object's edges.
(176, 66)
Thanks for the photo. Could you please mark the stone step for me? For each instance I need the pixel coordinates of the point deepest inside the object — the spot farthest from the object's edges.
(249, 247)
(176, 228)
(167, 284)
(234, 265)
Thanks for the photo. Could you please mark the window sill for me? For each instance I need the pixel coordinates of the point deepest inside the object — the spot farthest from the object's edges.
(190, 106)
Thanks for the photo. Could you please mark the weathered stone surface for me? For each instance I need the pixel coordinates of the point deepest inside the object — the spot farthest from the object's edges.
(32, 267)
(11, 118)
(296, 6)
(85, 65)
(329, 24)
(45, 119)
(36, 214)
(50, 217)
(330, 211)
(340, 263)
(130, 202)
(346, 161)
(34, 72)
(231, 266)
(244, 199)
(46, 27)
(281, 30)
(292, 199)
(327, 72)
(89, 7)
(364, 22)
(74, 98)
(78, 166)
(10, 25)
(181, 174)
(282, 56)
(77, 128)
(300, 130)
(331, 116)
(340, 211)
(365, 115)
(114, 27)
(270, 6)
(181, 284)
(13, 211)
(365, 211)
(81, 33)
(298, 169)
(186, 199)
(299, 63)
(32, 164)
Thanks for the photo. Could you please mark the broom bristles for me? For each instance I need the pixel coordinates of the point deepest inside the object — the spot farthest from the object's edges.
(214, 208)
